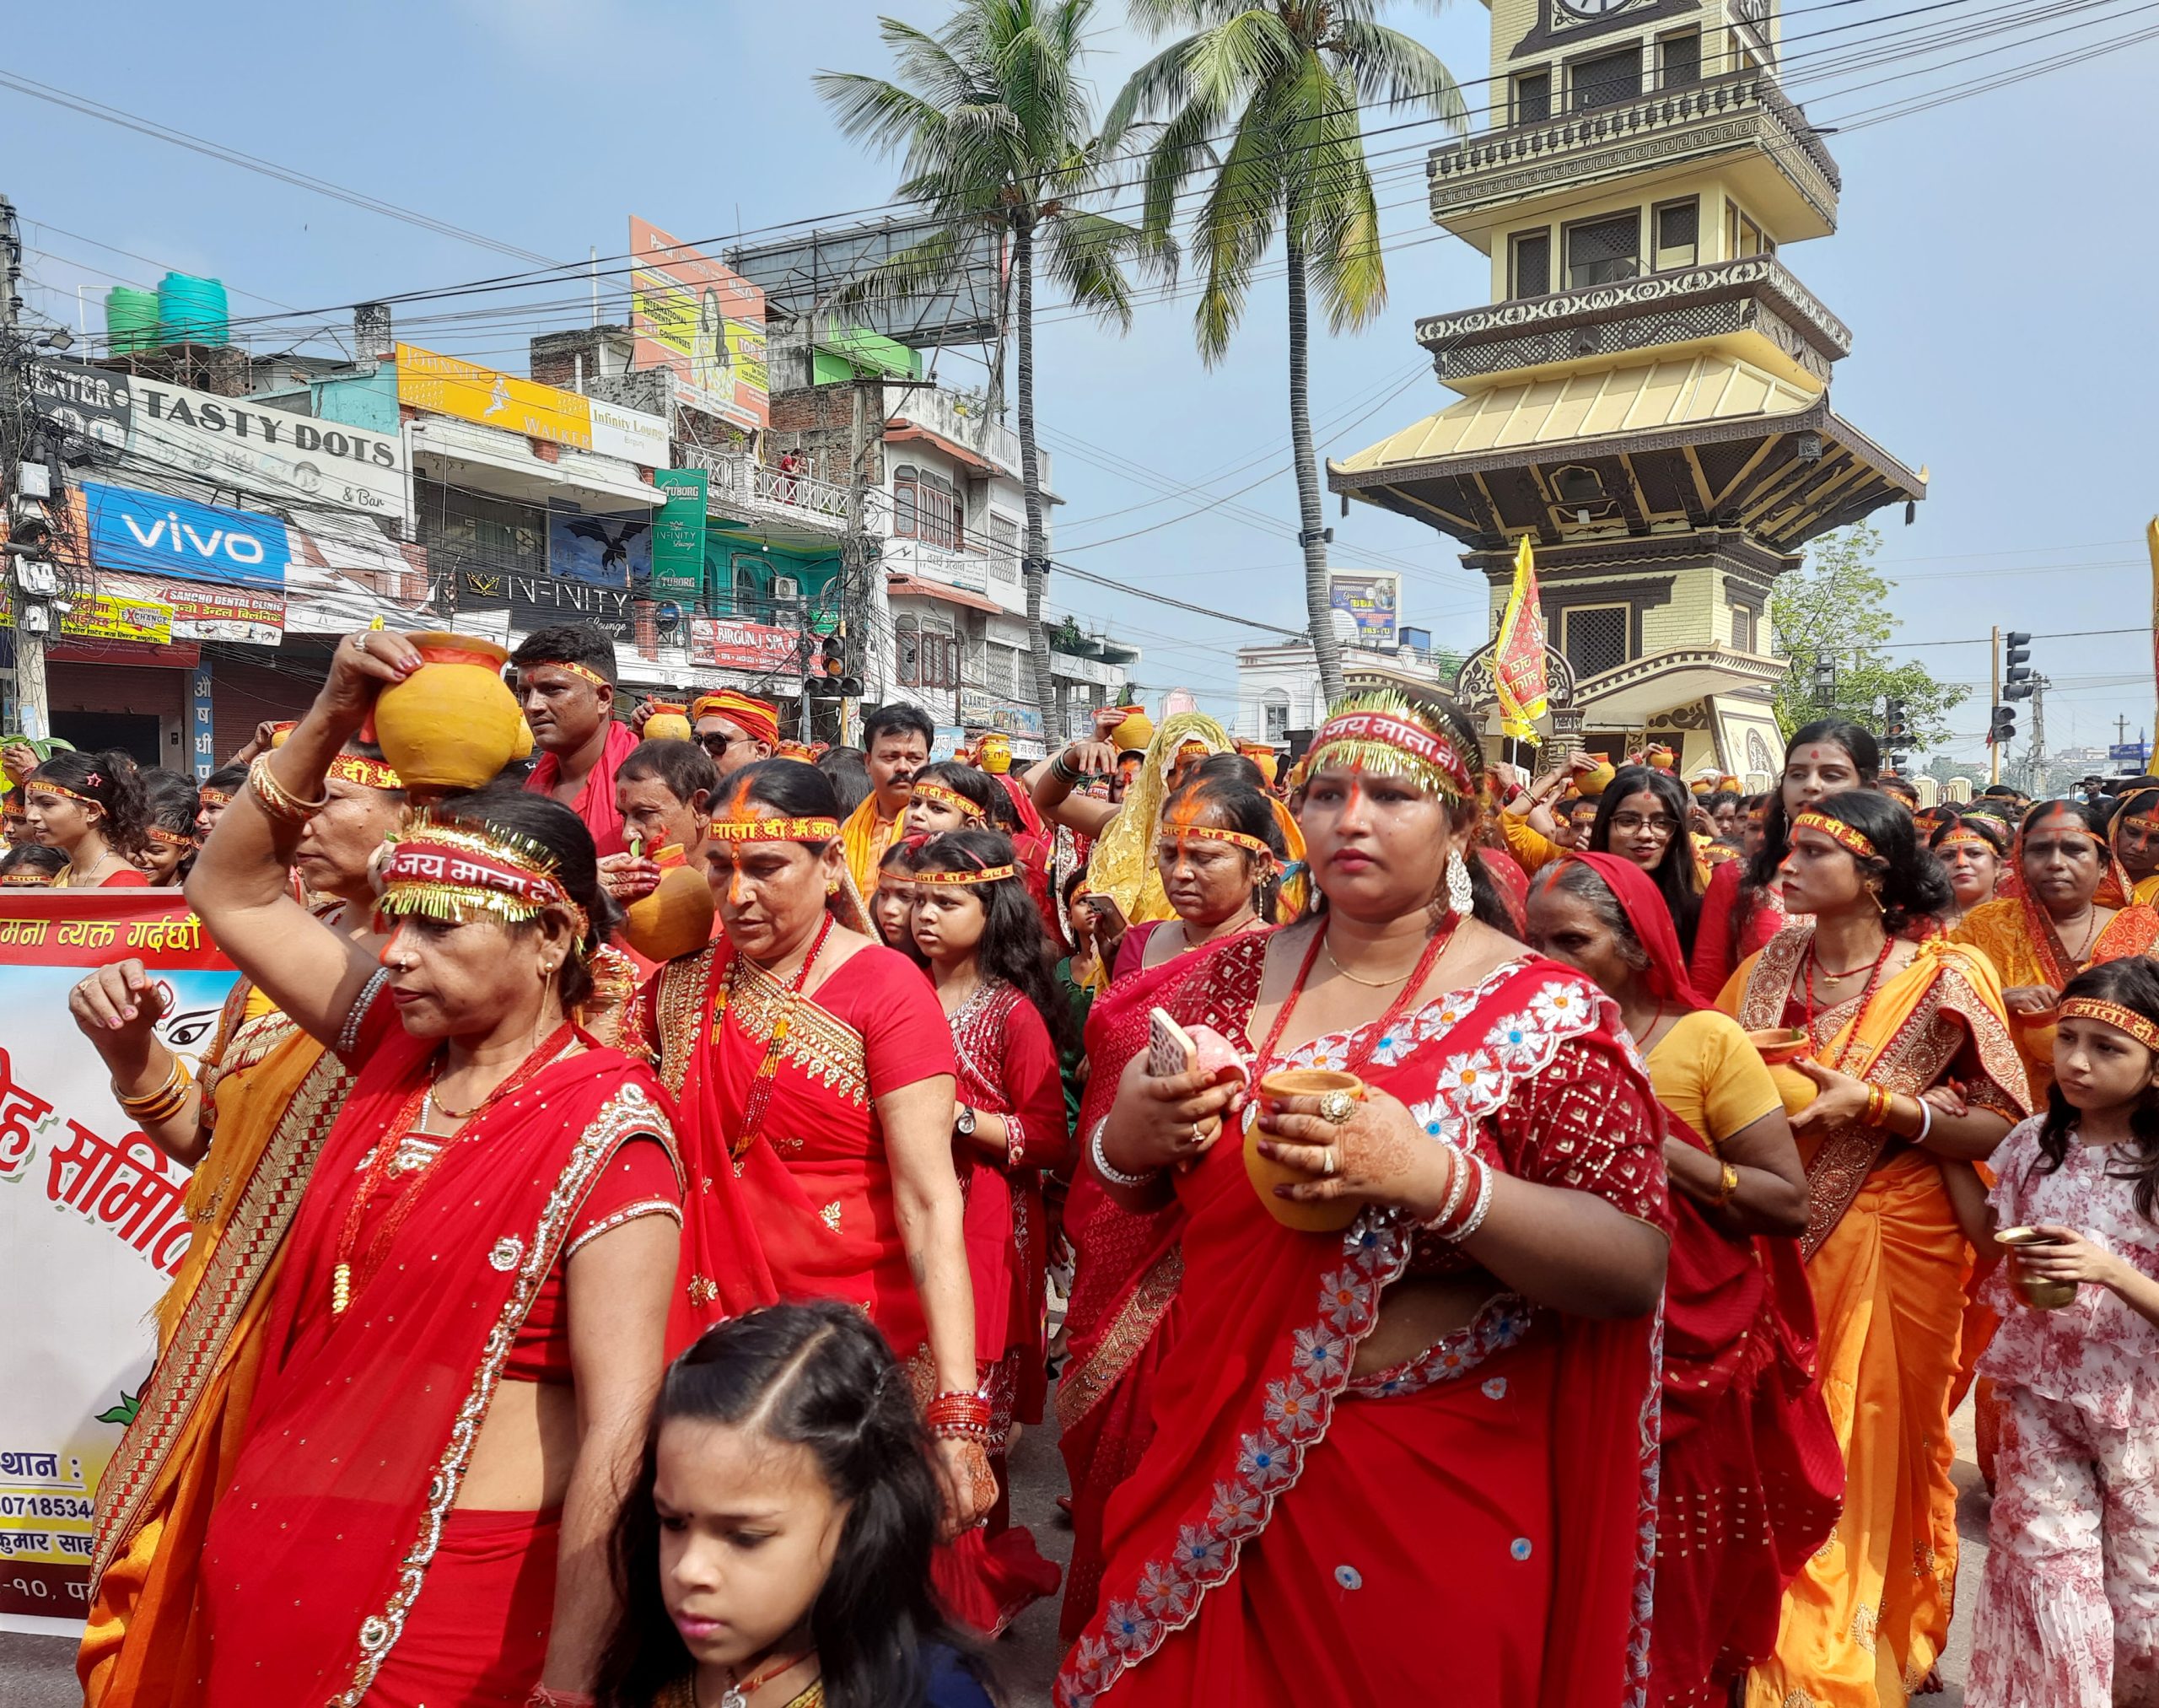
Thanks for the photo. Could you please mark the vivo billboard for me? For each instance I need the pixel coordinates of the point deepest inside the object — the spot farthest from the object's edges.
(154, 535)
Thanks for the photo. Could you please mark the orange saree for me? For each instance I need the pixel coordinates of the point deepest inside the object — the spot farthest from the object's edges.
(274, 1092)
(1867, 1619)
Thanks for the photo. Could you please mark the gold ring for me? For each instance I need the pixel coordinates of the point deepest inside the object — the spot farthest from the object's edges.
(1337, 1107)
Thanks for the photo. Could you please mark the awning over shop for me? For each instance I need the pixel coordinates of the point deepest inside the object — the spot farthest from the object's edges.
(900, 432)
(913, 587)
(509, 466)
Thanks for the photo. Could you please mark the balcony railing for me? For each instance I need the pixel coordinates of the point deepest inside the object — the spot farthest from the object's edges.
(1522, 157)
(746, 487)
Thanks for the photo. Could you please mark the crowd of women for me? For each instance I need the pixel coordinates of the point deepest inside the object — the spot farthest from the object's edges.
(1521, 1239)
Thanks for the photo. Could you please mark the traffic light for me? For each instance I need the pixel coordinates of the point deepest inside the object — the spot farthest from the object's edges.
(2002, 729)
(1896, 733)
(2017, 665)
(831, 678)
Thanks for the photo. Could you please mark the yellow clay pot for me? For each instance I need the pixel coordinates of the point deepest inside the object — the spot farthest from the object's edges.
(675, 918)
(1135, 733)
(1593, 783)
(666, 722)
(1778, 1049)
(1330, 1216)
(453, 724)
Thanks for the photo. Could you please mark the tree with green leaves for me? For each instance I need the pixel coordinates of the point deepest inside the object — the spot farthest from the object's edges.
(1264, 101)
(1835, 612)
(996, 130)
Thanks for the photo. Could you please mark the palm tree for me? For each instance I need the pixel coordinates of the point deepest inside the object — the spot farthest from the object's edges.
(1282, 83)
(996, 130)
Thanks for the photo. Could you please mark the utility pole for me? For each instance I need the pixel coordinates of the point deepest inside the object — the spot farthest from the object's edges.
(2038, 735)
(28, 586)
(857, 550)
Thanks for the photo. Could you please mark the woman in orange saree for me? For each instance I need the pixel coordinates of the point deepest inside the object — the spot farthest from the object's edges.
(267, 1095)
(2057, 925)
(1462, 1348)
(1889, 1021)
(1216, 859)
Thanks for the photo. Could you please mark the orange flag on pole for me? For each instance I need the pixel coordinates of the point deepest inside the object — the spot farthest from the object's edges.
(1518, 661)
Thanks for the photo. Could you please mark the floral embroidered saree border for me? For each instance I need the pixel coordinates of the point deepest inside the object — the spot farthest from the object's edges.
(243, 1256)
(819, 1043)
(1301, 1396)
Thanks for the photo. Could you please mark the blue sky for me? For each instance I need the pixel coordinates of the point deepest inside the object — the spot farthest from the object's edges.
(1994, 260)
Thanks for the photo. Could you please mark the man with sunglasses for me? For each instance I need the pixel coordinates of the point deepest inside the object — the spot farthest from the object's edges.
(734, 728)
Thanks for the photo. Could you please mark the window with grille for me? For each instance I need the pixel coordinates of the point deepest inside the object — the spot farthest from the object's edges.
(1274, 709)
(1532, 97)
(1003, 546)
(1679, 61)
(928, 647)
(1606, 80)
(1742, 628)
(926, 508)
(1594, 638)
(1532, 263)
(906, 644)
(1603, 251)
(1000, 670)
(1678, 234)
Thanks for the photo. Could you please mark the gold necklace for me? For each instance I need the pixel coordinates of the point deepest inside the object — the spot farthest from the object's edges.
(1354, 978)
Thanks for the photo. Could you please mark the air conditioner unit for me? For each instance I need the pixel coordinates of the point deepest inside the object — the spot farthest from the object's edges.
(786, 587)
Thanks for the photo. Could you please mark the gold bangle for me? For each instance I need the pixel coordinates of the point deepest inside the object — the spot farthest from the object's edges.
(277, 801)
(1727, 1184)
(167, 1100)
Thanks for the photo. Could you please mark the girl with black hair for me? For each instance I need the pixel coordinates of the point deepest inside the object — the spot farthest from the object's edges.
(948, 795)
(775, 1550)
(169, 842)
(1642, 817)
(469, 1313)
(2068, 1607)
(2057, 926)
(890, 905)
(90, 806)
(1743, 909)
(1889, 1023)
(976, 927)
(1972, 850)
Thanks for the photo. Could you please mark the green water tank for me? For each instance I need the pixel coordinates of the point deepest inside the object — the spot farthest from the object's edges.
(130, 321)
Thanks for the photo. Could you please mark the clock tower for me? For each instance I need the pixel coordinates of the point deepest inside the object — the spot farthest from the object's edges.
(1646, 395)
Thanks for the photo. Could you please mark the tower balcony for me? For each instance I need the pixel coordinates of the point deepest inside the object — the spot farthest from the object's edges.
(1752, 309)
(1741, 122)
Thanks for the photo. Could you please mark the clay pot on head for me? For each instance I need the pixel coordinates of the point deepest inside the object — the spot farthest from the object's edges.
(675, 918)
(1135, 733)
(1778, 1049)
(666, 722)
(521, 745)
(1334, 1215)
(1662, 759)
(994, 755)
(453, 722)
(1593, 782)
(282, 733)
(2040, 1295)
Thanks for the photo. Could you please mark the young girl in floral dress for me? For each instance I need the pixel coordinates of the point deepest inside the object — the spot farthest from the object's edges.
(2069, 1608)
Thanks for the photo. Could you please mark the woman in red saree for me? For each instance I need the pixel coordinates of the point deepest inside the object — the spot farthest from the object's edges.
(1890, 1022)
(1751, 1476)
(467, 1331)
(977, 926)
(1216, 856)
(1742, 907)
(1470, 1362)
(812, 1067)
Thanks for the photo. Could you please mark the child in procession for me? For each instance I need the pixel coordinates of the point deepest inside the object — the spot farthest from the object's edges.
(2069, 1608)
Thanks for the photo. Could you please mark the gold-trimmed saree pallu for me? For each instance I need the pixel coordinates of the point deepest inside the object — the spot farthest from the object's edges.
(276, 1093)
(1865, 1621)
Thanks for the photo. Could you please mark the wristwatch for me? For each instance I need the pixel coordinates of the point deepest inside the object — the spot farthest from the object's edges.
(963, 1124)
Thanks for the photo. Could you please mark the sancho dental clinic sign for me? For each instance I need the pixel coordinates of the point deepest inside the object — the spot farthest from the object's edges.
(153, 534)
(239, 445)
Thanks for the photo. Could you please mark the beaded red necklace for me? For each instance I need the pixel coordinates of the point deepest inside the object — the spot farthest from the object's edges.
(761, 1087)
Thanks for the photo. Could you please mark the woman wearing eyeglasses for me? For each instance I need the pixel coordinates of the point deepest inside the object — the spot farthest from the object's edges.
(1642, 818)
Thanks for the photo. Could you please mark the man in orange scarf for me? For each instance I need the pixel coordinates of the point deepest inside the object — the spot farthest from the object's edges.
(735, 729)
(896, 740)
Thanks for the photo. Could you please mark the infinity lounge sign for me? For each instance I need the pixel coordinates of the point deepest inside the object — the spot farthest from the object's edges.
(161, 536)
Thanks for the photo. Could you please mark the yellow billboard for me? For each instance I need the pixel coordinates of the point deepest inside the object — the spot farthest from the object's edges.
(445, 385)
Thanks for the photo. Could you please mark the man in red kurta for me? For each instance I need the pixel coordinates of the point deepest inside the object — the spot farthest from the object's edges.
(566, 684)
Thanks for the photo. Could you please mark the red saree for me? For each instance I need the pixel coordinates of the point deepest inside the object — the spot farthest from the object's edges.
(1257, 1554)
(811, 1214)
(1007, 1066)
(340, 1534)
(1125, 1272)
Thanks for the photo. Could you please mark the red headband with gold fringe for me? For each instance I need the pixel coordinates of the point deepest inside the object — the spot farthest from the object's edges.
(1851, 841)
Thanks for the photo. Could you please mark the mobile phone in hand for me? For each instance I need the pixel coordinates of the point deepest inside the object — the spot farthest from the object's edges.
(1170, 1050)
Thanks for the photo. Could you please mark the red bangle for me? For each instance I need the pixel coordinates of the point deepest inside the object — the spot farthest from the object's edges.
(955, 1416)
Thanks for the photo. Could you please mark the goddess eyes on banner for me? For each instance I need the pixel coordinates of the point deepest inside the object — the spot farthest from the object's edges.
(92, 1227)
